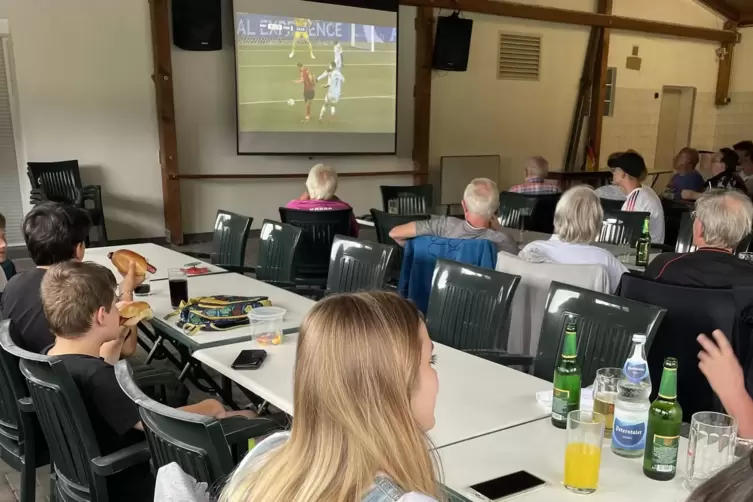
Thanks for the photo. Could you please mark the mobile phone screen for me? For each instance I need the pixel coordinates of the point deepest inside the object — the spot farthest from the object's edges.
(504, 486)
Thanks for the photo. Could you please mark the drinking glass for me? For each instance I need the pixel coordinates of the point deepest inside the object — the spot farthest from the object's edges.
(711, 446)
(585, 434)
(178, 283)
(745, 256)
(605, 394)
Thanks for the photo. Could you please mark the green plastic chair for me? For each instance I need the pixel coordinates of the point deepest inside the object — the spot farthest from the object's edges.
(383, 223)
(469, 309)
(202, 446)
(81, 471)
(606, 325)
(357, 265)
(413, 199)
(229, 242)
(278, 244)
(622, 227)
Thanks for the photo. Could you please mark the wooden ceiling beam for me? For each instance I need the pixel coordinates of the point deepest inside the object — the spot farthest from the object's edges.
(566, 16)
(723, 8)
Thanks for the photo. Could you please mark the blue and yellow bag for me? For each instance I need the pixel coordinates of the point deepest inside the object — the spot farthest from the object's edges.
(217, 313)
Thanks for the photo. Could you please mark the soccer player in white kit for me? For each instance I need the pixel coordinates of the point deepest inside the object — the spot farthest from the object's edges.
(338, 55)
(334, 85)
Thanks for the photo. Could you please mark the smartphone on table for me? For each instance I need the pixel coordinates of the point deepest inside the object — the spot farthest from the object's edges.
(507, 486)
(249, 360)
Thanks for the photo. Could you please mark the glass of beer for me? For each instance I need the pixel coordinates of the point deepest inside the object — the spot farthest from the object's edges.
(585, 434)
(605, 393)
(178, 282)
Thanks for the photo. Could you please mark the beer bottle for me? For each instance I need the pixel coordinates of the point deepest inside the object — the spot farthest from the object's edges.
(664, 420)
(643, 246)
(566, 393)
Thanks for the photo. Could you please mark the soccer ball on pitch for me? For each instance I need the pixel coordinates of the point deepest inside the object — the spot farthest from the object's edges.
(291, 102)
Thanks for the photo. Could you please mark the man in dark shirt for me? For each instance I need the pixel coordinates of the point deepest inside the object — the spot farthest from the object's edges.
(53, 233)
(686, 177)
(79, 301)
(722, 219)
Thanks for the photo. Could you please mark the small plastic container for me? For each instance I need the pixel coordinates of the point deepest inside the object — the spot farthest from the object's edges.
(266, 323)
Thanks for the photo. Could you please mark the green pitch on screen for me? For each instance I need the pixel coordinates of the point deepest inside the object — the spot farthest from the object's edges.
(265, 84)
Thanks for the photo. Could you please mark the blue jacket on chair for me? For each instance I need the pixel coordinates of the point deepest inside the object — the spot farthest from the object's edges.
(421, 256)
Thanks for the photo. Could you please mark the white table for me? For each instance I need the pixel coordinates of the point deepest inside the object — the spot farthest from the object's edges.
(223, 284)
(539, 448)
(476, 397)
(161, 257)
(365, 223)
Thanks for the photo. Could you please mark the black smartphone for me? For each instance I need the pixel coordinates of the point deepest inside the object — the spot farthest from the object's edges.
(249, 360)
(506, 486)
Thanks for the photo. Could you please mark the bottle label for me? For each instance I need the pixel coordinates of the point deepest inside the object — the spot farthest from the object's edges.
(629, 435)
(664, 453)
(560, 404)
(635, 371)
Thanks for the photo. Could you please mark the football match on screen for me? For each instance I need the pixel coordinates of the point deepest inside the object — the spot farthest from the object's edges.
(311, 75)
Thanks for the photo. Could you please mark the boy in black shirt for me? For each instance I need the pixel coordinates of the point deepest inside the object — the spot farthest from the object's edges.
(80, 304)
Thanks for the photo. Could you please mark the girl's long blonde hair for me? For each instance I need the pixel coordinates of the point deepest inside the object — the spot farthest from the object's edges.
(357, 362)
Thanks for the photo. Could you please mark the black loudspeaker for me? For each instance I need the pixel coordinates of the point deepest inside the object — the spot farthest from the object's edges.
(452, 43)
(197, 24)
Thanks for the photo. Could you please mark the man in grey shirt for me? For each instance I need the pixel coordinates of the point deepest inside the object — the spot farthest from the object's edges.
(480, 204)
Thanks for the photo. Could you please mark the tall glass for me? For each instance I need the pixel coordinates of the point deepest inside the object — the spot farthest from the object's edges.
(605, 394)
(178, 283)
(711, 446)
(585, 434)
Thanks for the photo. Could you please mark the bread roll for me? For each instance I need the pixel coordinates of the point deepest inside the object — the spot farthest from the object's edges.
(122, 258)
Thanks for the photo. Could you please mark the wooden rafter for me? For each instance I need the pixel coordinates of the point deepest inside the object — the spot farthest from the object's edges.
(722, 8)
(566, 16)
(598, 96)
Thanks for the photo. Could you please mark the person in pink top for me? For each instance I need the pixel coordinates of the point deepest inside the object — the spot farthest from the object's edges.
(321, 186)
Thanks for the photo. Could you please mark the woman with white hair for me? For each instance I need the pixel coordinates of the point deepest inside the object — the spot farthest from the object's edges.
(577, 224)
(321, 186)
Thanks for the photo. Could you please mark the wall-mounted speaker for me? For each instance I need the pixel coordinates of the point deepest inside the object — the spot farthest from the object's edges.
(197, 24)
(452, 43)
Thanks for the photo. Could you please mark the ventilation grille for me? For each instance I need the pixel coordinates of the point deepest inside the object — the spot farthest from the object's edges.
(519, 57)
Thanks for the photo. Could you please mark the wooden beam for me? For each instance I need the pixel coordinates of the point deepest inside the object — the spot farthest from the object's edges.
(554, 15)
(722, 8)
(599, 91)
(724, 75)
(422, 94)
(168, 138)
(746, 20)
(239, 176)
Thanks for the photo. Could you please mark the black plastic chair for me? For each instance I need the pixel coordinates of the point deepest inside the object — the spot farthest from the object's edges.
(80, 470)
(413, 199)
(383, 223)
(685, 238)
(22, 445)
(202, 446)
(228, 242)
(318, 230)
(357, 265)
(606, 325)
(61, 182)
(516, 210)
(622, 227)
(278, 244)
(469, 309)
(674, 212)
(612, 204)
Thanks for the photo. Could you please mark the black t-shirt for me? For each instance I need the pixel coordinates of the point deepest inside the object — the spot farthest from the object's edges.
(727, 180)
(22, 304)
(706, 267)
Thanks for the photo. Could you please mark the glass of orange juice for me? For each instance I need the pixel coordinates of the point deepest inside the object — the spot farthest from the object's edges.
(585, 433)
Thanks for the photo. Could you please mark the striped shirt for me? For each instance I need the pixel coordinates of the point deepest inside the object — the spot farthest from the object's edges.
(535, 186)
(644, 199)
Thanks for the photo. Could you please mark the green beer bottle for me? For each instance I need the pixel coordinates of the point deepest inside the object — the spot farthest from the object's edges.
(643, 246)
(566, 393)
(663, 435)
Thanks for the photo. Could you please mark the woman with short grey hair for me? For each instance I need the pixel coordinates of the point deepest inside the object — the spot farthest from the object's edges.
(577, 224)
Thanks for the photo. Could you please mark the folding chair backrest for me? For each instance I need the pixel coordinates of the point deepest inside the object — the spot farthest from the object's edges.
(414, 199)
(469, 307)
(383, 223)
(515, 209)
(622, 227)
(230, 238)
(12, 388)
(60, 181)
(278, 244)
(606, 325)
(357, 265)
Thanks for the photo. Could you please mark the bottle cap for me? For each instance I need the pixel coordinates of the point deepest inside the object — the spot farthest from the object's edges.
(639, 337)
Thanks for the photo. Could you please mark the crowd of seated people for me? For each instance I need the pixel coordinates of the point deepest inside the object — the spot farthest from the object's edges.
(744, 151)
(724, 175)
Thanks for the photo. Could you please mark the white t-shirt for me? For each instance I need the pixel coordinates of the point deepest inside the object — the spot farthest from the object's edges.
(645, 200)
(556, 251)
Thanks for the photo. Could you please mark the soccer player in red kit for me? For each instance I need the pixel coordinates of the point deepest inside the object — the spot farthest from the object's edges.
(309, 88)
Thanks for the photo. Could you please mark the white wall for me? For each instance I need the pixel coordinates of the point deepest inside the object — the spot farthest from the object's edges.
(83, 71)
(205, 111)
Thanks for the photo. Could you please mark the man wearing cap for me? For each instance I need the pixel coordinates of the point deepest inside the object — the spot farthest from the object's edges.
(627, 170)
